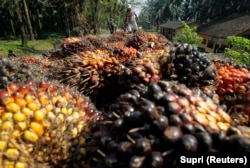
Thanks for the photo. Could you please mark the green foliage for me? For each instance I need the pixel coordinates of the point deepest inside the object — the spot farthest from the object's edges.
(188, 35)
(199, 10)
(240, 50)
(34, 48)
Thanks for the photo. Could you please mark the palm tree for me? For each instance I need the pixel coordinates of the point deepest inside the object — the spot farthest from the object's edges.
(27, 14)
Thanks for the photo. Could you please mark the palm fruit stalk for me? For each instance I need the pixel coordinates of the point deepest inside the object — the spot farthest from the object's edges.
(147, 126)
(192, 67)
(88, 71)
(41, 125)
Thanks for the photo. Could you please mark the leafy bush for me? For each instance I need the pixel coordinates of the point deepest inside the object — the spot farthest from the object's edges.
(240, 50)
(188, 35)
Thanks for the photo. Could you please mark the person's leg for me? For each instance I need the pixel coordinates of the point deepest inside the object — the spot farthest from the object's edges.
(135, 27)
(129, 27)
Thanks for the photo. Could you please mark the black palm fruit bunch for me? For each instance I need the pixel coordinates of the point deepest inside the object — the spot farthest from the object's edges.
(22, 69)
(41, 125)
(192, 67)
(149, 125)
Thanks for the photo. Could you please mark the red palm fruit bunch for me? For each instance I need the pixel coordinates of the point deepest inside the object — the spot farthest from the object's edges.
(232, 80)
(41, 123)
(233, 86)
(121, 52)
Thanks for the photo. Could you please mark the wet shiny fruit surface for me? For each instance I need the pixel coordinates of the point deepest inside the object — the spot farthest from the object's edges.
(150, 131)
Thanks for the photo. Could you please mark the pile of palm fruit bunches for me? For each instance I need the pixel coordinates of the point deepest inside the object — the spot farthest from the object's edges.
(122, 101)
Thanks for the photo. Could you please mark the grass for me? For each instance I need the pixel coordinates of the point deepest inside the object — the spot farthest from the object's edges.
(45, 43)
(37, 47)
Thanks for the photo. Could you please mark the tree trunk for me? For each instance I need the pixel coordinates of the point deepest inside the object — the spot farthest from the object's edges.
(20, 22)
(12, 27)
(66, 16)
(32, 37)
(95, 16)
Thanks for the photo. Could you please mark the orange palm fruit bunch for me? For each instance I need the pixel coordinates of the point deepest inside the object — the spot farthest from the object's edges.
(87, 71)
(41, 123)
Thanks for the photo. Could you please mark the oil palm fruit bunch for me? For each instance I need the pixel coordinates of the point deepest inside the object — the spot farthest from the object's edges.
(145, 40)
(233, 89)
(88, 71)
(118, 36)
(43, 63)
(232, 81)
(96, 41)
(20, 70)
(145, 69)
(122, 52)
(69, 47)
(41, 123)
(192, 67)
(149, 124)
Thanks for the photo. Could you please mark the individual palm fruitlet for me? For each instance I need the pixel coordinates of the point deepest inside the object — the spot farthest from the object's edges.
(41, 124)
(149, 124)
(192, 67)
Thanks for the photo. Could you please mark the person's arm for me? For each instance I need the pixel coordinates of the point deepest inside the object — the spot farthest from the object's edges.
(126, 18)
(136, 17)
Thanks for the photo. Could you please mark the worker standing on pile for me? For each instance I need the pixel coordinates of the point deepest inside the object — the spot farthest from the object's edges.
(130, 20)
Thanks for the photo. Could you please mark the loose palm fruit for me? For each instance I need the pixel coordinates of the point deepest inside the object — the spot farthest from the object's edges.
(42, 125)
